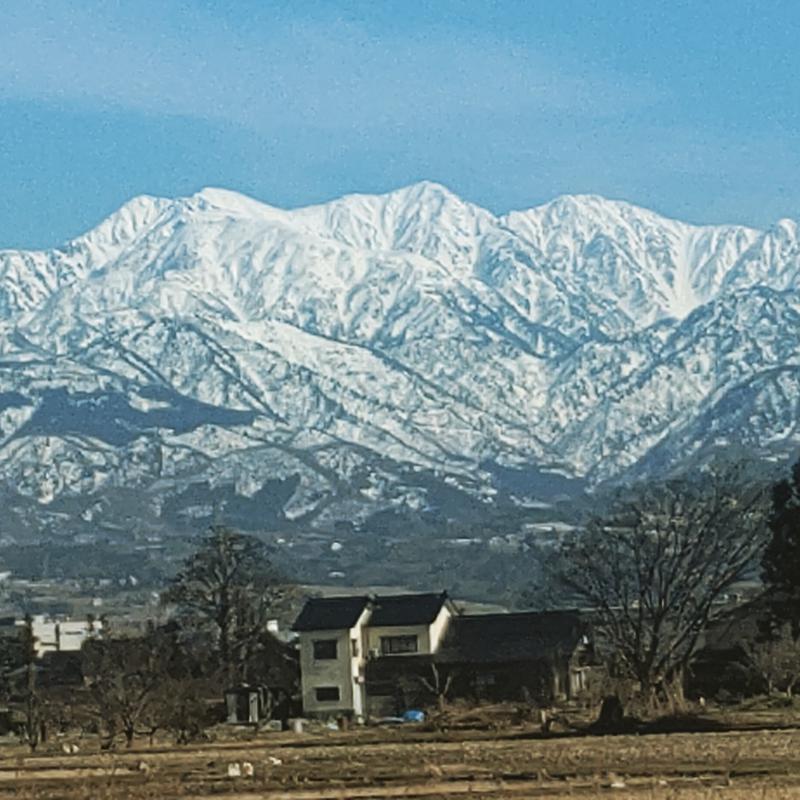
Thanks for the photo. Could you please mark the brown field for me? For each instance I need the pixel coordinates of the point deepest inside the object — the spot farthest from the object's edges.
(406, 762)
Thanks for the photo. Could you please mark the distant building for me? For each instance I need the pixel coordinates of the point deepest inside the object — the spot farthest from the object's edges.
(60, 636)
(373, 656)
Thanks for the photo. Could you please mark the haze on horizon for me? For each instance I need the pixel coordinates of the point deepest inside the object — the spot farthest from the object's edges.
(691, 111)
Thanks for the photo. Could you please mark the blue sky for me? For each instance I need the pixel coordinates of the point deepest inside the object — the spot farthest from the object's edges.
(690, 108)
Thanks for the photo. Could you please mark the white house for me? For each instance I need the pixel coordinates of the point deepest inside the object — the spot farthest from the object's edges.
(337, 636)
(373, 656)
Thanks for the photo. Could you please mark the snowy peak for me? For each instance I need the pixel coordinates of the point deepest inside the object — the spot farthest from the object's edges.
(195, 338)
(123, 226)
(616, 266)
(656, 267)
(426, 219)
(773, 260)
(234, 204)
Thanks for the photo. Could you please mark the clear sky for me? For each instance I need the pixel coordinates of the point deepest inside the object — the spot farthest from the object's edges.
(689, 107)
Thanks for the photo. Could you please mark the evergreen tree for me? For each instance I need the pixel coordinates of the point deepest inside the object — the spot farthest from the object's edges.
(781, 562)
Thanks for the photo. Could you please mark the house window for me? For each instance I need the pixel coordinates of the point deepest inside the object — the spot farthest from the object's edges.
(391, 645)
(324, 649)
(327, 694)
(354, 647)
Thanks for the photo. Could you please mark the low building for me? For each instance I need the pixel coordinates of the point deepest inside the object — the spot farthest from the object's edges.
(536, 657)
(52, 635)
(723, 666)
(60, 635)
(375, 656)
(545, 655)
(247, 705)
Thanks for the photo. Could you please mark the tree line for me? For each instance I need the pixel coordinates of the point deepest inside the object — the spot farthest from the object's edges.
(651, 568)
(171, 677)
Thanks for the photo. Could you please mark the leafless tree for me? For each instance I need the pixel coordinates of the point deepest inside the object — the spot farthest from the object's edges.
(230, 584)
(438, 685)
(777, 660)
(33, 720)
(654, 568)
(125, 675)
(182, 706)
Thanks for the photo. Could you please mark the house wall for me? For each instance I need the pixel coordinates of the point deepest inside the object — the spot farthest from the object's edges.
(326, 672)
(60, 636)
(439, 627)
(529, 680)
(394, 684)
(344, 672)
(422, 632)
(348, 671)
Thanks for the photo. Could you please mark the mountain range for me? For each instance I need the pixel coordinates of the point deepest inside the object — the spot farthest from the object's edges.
(408, 350)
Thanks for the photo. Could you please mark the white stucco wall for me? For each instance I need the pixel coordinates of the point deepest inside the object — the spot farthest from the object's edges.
(428, 636)
(439, 627)
(60, 635)
(346, 671)
(343, 672)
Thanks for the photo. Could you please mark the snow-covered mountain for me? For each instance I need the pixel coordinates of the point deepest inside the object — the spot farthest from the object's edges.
(342, 357)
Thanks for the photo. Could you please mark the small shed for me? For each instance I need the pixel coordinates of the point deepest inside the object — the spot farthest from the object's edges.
(247, 705)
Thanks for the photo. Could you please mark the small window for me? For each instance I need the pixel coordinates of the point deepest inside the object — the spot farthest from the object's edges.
(391, 645)
(324, 649)
(354, 647)
(327, 694)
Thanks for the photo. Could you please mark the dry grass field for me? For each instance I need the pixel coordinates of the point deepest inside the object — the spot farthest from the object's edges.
(406, 763)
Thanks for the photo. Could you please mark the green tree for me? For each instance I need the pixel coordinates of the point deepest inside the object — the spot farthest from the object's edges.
(781, 562)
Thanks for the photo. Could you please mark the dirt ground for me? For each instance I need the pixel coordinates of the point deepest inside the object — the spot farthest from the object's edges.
(407, 762)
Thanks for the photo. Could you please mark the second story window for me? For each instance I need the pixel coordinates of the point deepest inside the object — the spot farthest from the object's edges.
(324, 649)
(392, 645)
(354, 648)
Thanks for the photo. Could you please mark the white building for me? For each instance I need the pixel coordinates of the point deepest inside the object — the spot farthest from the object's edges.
(338, 634)
(378, 656)
(60, 636)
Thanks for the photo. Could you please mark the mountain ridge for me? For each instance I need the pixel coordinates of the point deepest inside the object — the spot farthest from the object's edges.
(350, 345)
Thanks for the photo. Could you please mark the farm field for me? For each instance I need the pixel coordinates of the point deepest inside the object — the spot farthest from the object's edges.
(407, 763)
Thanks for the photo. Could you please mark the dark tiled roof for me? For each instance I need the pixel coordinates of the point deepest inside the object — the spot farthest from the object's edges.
(406, 609)
(498, 638)
(330, 613)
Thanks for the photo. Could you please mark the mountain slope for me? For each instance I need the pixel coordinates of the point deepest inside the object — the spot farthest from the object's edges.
(368, 352)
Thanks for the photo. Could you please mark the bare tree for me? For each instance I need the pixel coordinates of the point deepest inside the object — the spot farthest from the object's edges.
(777, 660)
(655, 566)
(33, 721)
(125, 676)
(230, 584)
(13, 658)
(183, 708)
(438, 685)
